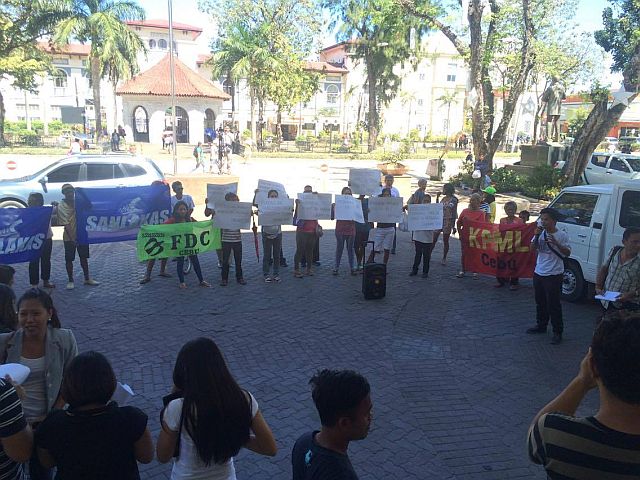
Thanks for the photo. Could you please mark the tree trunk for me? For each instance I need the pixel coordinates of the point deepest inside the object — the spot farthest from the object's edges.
(252, 114)
(279, 125)
(373, 119)
(594, 129)
(2, 113)
(95, 84)
(260, 121)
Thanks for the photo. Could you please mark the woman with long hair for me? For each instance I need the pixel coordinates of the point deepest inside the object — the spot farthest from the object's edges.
(209, 418)
(47, 350)
(94, 437)
(180, 214)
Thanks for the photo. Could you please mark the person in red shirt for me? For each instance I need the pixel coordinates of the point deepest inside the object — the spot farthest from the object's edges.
(345, 233)
(510, 209)
(474, 214)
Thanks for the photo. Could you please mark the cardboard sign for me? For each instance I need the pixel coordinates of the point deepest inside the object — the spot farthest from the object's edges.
(364, 181)
(263, 190)
(275, 211)
(233, 215)
(425, 216)
(314, 206)
(385, 209)
(348, 208)
(216, 193)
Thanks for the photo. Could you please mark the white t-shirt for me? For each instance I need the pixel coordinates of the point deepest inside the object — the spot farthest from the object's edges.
(548, 263)
(188, 465)
(185, 198)
(394, 191)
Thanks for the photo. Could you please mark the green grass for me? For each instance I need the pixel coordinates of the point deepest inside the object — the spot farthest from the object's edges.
(33, 151)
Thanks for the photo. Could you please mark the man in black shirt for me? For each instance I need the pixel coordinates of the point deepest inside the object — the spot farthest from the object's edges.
(343, 400)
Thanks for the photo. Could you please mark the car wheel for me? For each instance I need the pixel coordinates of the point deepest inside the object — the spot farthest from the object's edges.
(573, 284)
(11, 203)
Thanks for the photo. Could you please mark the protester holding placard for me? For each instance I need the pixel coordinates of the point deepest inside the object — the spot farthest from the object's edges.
(449, 215)
(67, 218)
(384, 235)
(388, 183)
(180, 215)
(510, 209)
(362, 233)
(306, 239)
(231, 242)
(271, 247)
(474, 214)
(423, 243)
(345, 233)
(47, 349)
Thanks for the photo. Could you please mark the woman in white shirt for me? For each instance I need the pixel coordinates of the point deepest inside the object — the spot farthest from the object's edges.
(209, 418)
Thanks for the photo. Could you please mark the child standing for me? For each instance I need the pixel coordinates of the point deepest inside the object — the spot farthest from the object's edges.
(345, 233)
(271, 246)
(231, 242)
(511, 219)
(450, 214)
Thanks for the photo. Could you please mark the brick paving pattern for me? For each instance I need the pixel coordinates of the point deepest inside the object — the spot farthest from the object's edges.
(455, 380)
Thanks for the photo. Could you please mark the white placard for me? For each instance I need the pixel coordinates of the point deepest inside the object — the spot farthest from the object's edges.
(314, 206)
(385, 209)
(233, 215)
(348, 208)
(275, 211)
(123, 394)
(216, 193)
(364, 181)
(425, 216)
(16, 371)
(263, 189)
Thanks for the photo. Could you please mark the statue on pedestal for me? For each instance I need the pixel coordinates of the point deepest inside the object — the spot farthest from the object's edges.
(553, 97)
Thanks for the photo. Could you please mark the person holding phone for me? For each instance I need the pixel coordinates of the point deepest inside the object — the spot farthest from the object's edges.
(552, 246)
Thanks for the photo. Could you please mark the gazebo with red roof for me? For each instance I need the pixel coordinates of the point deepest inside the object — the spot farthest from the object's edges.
(146, 98)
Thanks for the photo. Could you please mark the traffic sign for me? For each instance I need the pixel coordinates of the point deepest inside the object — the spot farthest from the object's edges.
(11, 165)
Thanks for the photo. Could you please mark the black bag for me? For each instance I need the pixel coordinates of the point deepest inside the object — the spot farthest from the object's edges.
(565, 260)
(165, 401)
(374, 278)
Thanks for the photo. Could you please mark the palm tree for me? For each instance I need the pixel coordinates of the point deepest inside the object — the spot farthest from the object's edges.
(244, 54)
(446, 99)
(102, 23)
(408, 97)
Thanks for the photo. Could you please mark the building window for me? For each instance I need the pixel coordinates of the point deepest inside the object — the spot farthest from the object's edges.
(60, 79)
(421, 76)
(420, 102)
(152, 44)
(61, 61)
(162, 44)
(333, 92)
(451, 72)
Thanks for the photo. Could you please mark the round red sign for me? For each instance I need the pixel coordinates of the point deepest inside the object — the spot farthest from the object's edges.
(11, 165)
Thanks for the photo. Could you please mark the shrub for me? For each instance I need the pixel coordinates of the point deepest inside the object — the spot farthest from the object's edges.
(544, 183)
(507, 180)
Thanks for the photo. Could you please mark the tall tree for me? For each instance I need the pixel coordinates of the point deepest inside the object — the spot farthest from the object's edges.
(621, 38)
(382, 35)
(496, 45)
(101, 23)
(22, 23)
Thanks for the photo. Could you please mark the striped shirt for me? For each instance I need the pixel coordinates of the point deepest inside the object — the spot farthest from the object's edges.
(11, 422)
(231, 235)
(622, 277)
(583, 449)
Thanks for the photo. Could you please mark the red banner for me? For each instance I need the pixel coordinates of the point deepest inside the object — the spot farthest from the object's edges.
(498, 250)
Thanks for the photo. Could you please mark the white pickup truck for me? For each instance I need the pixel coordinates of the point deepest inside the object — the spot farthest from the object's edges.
(594, 217)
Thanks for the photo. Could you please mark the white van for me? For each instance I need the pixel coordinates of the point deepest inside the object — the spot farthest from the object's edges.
(594, 217)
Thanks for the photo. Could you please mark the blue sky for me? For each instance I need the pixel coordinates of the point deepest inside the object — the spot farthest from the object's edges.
(588, 15)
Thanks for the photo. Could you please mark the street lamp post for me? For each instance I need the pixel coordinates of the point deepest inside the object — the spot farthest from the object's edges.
(173, 89)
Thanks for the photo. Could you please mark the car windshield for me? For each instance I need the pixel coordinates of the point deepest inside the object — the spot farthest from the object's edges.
(634, 163)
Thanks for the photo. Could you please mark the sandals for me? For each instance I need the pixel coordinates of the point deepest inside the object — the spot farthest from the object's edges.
(164, 275)
(460, 275)
(145, 280)
(205, 284)
(298, 274)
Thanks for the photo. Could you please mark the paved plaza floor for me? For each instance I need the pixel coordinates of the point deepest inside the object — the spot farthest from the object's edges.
(455, 380)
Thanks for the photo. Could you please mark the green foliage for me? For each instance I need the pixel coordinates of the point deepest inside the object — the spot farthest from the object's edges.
(414, 135)
(576, 121)
(506, 180)
(395, 156)
(246, 134)
(621, 33)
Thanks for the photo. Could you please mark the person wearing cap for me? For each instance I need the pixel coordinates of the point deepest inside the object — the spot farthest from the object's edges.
(67, 218)
(489, 203)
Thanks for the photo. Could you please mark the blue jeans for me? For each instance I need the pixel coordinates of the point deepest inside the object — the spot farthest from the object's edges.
(196, 267)
(341, 240)
(271, 249)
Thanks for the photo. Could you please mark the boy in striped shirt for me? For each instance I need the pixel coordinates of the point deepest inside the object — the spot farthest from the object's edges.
(606, 445)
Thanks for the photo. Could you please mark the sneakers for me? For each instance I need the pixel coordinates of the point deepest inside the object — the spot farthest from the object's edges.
(91, 282)
(242, 281)
(298, 274)
(557, 339)
(335, 271)
(276, 279)
(70, 286)
(267, 279)
(414, 272)
(536, 329)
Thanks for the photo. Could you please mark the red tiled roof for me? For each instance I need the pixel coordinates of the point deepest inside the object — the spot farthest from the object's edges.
(157, 81)
(325, 67)
(70, 49)
(347, 42)
(202, 59)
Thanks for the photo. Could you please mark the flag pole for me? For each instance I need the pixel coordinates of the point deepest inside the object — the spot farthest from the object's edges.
(173, 89)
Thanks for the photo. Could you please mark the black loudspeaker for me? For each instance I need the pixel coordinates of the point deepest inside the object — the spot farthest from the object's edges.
(374, 280)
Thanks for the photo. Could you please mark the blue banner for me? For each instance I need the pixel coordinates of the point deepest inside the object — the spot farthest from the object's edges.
(115, 214)
(22, 233)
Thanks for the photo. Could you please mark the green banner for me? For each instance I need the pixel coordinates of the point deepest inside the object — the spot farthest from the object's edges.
(177, 239)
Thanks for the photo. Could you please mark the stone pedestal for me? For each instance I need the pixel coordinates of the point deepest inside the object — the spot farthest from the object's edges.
(532, 156)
